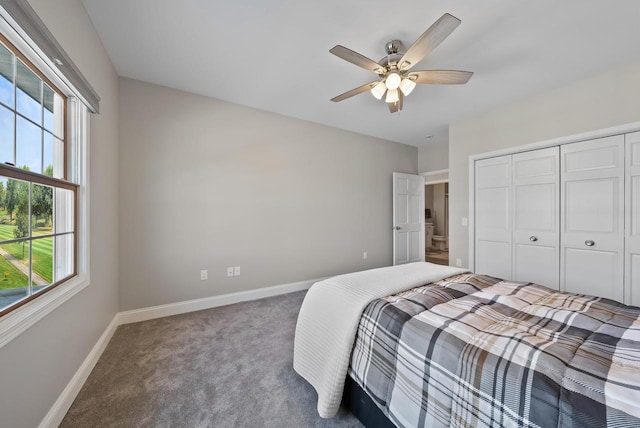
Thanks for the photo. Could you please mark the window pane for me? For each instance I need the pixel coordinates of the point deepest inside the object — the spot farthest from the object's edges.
(14, 279)
(53, 112)
(28, 145)
(41, 210)
(6, 135)
(64, 215)
(29, 93)
(53, 156)
(42, 262)
(6, 76)
(64, 250)
(48, 93)
(14, 215)
(48, 152)
(58, 158)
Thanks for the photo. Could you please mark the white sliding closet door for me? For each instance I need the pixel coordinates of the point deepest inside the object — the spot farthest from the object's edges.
(493, 217)
(592, 223)
(632, 238)
(536, 228)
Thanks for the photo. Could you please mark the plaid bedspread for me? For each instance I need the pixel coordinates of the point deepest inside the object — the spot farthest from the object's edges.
(476, 351)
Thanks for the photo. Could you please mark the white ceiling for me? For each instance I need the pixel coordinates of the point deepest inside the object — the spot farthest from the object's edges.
(274, 54)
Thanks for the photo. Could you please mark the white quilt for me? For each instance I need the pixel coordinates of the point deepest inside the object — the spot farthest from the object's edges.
(329, 318)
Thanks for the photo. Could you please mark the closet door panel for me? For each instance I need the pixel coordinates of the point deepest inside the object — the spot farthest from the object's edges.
(632, 221)
(592, 217)
(536, 217)
(493, 234)
(592, 205)
(491, 256)
(493, 213)
(592, 272)
(537, 264)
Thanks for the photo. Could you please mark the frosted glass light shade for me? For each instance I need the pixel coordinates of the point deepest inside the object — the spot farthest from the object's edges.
(392, 96)
(393, 81)
(379, 90)
(407, 85)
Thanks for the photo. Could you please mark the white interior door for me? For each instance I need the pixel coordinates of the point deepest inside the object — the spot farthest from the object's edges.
(408, 218)
(493, 235)
(632, 238)
(592, 217)
(536, 217)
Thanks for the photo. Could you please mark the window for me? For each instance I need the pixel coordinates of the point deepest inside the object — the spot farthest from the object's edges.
(38, 201)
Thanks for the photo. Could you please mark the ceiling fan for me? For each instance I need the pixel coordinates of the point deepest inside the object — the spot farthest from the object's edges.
(393, 70)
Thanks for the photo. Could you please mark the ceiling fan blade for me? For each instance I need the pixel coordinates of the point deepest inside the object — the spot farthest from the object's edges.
(429, 40)
(356, 91)
(355, 58)
(440, 77)
(397, 106)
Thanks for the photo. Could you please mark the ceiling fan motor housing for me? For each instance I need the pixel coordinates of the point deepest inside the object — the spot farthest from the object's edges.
(393, 47)
(390, 61)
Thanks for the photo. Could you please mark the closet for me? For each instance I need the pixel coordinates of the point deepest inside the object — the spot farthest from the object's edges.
(566, 217)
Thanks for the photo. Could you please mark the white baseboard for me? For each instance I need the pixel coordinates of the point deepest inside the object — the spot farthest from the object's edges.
(144, 314)
(64, 401)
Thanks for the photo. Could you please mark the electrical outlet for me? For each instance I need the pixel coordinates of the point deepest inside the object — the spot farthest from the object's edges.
(364, 256)
(204, 275)
(236, 271)
(459, 262)
(465, 221)
(230, 271)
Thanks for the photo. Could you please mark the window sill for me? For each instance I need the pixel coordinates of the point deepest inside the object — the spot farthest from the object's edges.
(19, 320)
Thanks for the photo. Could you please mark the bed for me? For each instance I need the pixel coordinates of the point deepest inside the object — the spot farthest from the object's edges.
(461, 349)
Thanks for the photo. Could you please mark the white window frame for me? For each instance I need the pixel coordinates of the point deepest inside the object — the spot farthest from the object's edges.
(25, 316)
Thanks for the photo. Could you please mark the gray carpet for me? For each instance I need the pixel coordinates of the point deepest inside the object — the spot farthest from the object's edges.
(223, 367)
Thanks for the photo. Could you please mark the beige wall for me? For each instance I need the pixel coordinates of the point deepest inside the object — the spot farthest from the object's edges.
(206, 184)
(36, 366)
(602, 101)
(433, 156)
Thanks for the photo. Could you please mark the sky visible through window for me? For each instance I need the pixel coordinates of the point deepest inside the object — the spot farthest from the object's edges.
(34, 127)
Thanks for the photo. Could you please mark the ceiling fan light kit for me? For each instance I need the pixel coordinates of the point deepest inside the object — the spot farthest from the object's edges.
(393, 80)
(392, 96)
(379, 90)
(407, 86)
(393, 70)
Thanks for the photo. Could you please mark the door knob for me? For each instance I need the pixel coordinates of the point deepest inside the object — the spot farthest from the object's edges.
(533, 238)
(396, 228)
(589, 243)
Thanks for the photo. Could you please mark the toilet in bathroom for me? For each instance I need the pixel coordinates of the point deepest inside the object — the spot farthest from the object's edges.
(428, 235)
(439, 242)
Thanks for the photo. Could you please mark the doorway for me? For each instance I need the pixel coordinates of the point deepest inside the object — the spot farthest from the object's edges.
(436, 213)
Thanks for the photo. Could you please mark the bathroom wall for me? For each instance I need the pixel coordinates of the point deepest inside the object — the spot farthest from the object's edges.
(434, 199)
(428, 200)
(438, 208)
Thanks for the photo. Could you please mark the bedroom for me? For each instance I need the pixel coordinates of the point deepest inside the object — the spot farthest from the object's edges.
(231, 191)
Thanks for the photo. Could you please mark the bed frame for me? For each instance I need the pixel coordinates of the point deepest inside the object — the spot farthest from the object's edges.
(362, 406)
